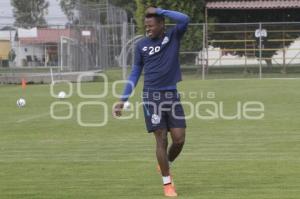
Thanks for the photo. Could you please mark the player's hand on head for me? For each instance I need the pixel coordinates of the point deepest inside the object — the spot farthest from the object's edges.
(151, 10)
(117, 109)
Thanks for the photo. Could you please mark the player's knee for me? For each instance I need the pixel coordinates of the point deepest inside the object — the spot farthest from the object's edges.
(161, 139)
(179, 141)
(178, 138)
(162, 143)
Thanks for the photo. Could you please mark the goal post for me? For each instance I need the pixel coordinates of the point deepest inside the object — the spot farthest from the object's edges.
(66, 55)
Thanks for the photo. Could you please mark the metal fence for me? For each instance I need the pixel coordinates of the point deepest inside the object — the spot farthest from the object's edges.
(253, 50)
(241, 50)
(92, 40)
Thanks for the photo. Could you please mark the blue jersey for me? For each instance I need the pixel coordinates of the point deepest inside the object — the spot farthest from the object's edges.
(159, 57)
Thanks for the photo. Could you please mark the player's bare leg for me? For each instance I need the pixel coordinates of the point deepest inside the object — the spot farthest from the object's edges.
(162, 158)
(161, 151)
(178, 139)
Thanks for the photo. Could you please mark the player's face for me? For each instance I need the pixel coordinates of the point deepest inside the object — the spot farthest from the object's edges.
(154, 29)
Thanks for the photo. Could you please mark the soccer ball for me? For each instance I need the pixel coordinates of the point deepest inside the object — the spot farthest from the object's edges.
(126, 105)
(61, 95)
(21, 102)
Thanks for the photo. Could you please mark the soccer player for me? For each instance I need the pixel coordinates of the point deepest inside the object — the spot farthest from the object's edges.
(157, 54)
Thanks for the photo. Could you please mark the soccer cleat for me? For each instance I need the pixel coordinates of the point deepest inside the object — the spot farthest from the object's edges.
(169, 190)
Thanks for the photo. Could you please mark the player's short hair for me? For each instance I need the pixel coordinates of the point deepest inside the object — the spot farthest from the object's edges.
(157, 17)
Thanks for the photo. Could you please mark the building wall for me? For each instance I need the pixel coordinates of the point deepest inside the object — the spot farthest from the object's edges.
(29, 54)
(5, 47)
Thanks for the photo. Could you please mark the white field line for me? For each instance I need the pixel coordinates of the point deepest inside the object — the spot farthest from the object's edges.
(79, 160)
(39, 115)
(286, 78)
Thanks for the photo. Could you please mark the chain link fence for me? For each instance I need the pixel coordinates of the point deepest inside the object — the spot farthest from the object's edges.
(92, 42)
(241, 50)
(248, 50)
(251, 50)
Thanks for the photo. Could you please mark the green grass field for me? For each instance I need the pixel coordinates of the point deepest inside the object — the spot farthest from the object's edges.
(223, 159)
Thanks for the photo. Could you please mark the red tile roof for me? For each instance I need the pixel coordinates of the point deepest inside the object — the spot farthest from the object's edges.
(47, 36)
(254, 4)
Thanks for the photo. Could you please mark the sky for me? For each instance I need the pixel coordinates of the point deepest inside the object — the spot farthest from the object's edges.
(55, 15)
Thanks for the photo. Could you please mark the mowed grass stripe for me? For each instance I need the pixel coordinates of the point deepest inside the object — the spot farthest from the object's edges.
(243, 159)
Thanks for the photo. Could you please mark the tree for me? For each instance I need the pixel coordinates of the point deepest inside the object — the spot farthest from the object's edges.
(128, 5)
(68, 7)
(139, 16)
(192, 40)
(29, 13)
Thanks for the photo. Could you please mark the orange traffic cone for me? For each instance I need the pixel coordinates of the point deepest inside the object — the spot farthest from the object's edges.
(23, 83)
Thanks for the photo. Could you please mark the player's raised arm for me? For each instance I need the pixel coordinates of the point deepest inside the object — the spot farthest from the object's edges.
(181, 19)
